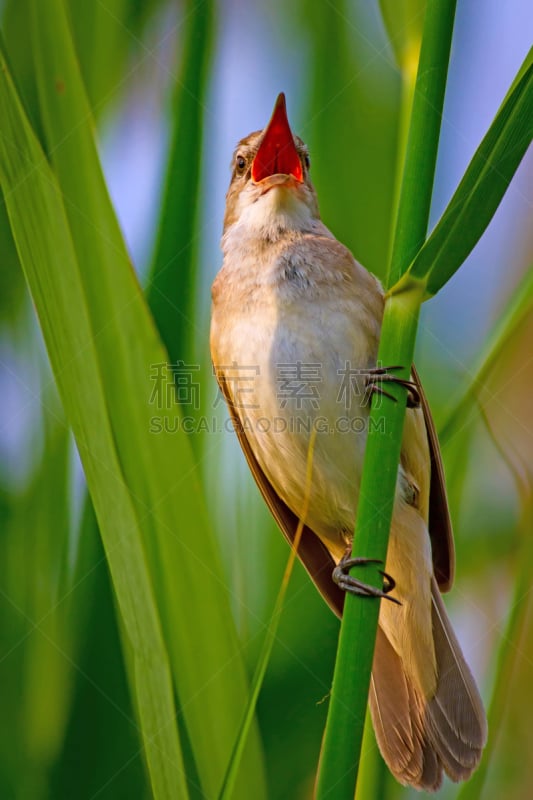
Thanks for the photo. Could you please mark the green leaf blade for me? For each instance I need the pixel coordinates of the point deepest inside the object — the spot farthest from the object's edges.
(47, 254)
(158, 468)
(172, 286)
(481, 189)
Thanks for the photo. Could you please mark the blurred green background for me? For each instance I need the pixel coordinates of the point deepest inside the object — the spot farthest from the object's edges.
(172, 87)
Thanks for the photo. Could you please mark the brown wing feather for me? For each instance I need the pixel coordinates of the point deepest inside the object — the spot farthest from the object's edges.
(313, 554)
(439, 523)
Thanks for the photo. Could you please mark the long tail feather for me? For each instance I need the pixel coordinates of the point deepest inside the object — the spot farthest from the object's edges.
(398, 718)
(456, 717)
(421, 737)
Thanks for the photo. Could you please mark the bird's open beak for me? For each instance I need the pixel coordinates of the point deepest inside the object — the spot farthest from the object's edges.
(277, 154)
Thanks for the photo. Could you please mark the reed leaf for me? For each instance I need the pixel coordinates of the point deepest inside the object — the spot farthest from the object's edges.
(46, 251)
(478, 195)
(171, 291)
(158, 467)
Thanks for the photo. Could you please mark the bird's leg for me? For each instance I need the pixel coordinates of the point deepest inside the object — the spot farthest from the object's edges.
(376, 376)
(341, 576)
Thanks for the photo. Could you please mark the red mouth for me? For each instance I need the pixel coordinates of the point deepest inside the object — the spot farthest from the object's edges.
(277, 154)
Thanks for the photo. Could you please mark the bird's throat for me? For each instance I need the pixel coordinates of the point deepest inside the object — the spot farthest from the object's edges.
(276, 212)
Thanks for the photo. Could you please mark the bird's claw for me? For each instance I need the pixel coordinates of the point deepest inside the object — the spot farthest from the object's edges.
(341, 576)
(378, 375)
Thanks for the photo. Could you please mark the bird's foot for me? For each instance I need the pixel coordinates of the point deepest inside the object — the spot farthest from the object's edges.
(376, 376)
(341, 576)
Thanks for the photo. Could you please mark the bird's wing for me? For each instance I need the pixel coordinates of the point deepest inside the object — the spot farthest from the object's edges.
(313, 554)
(439, 521)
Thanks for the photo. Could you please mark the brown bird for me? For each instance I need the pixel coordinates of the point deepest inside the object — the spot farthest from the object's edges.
(294, 339)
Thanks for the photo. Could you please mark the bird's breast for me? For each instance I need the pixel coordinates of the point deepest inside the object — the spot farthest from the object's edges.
(294, 363)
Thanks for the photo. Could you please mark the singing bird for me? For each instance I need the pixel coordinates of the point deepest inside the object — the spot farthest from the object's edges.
(295, 328)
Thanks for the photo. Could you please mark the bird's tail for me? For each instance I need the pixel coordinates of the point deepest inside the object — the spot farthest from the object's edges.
(421, 737)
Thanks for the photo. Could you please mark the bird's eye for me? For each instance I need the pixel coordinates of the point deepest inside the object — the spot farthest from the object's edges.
(240, 163)
(307, 161)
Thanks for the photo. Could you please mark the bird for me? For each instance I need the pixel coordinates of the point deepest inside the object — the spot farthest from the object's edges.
(295, 328)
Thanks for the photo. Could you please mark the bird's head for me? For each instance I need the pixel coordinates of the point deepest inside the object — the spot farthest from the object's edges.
(270, 187)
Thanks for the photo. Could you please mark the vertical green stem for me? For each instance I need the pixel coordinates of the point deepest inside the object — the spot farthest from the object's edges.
(423, 141)
(344, 727)
(341, 748)
(408, 77)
